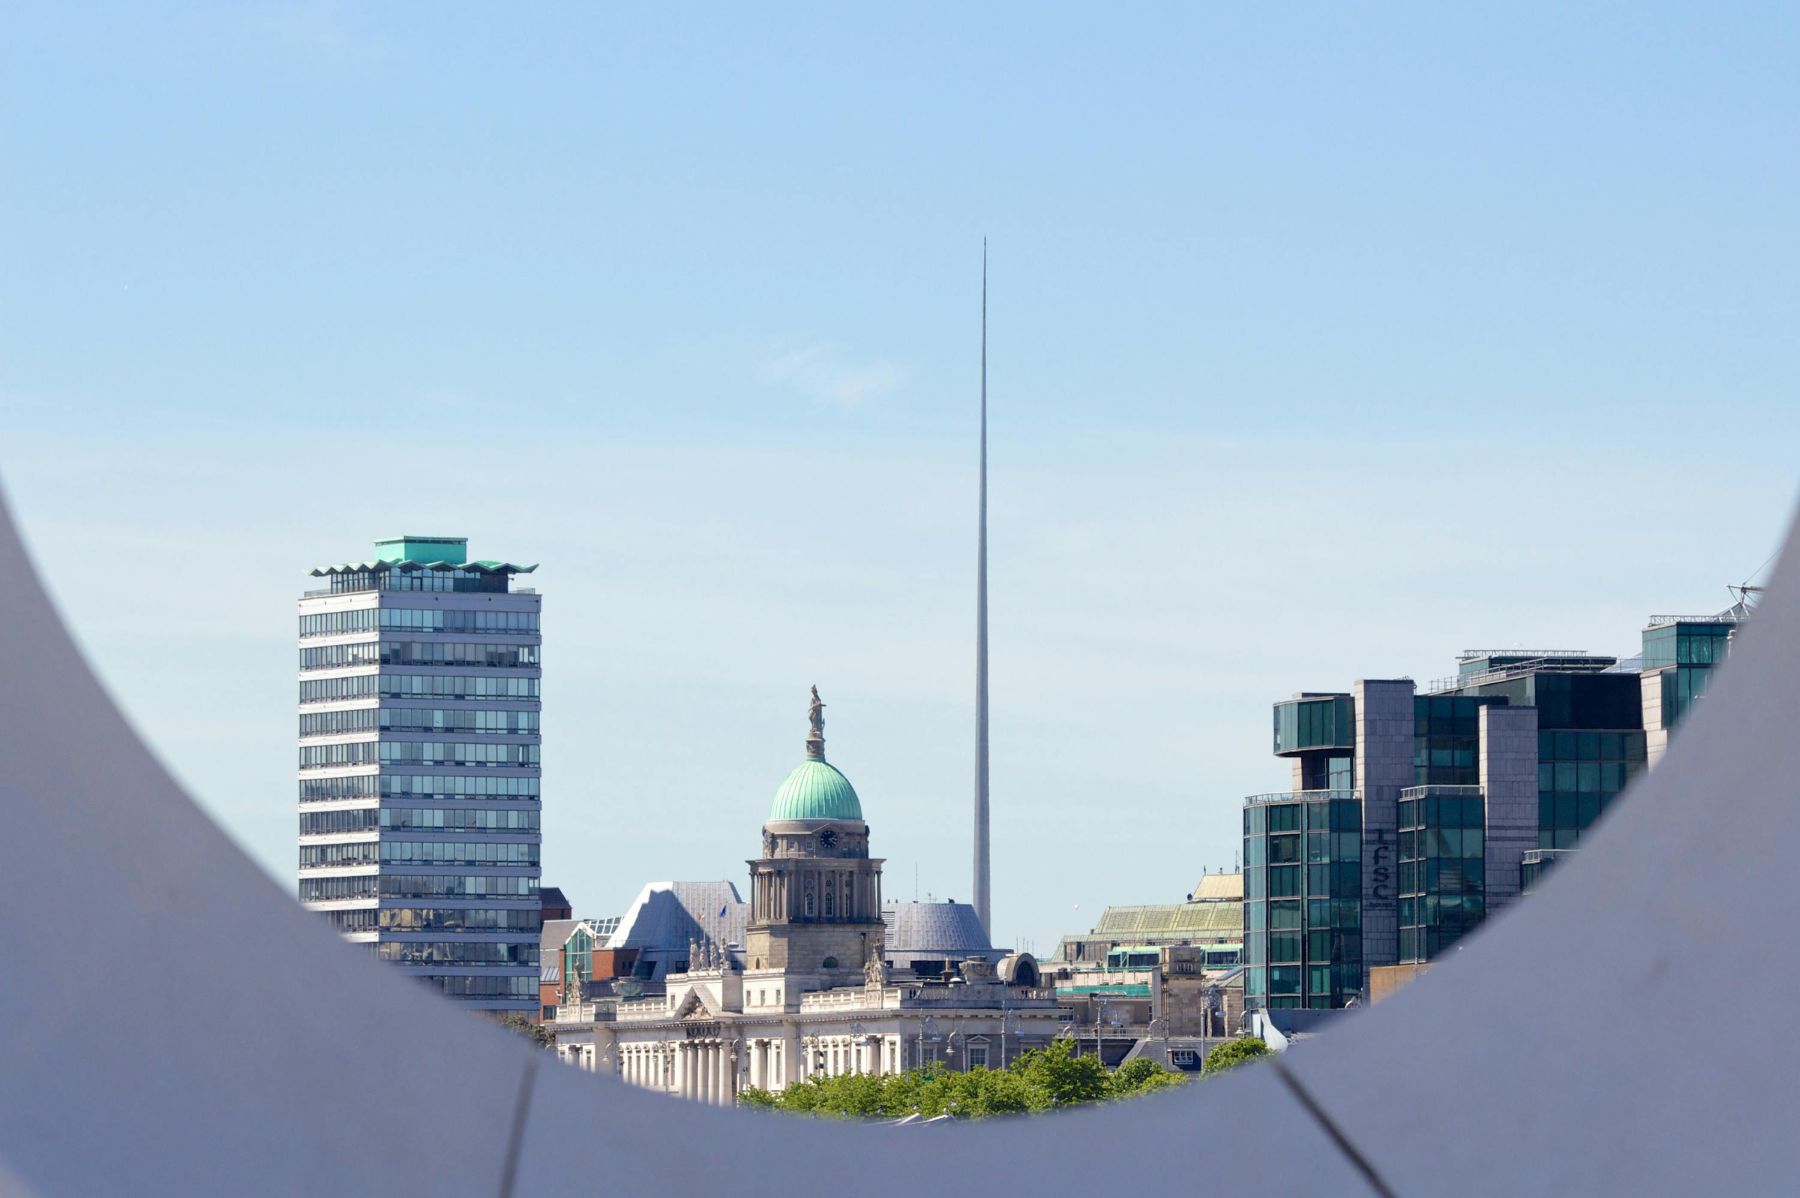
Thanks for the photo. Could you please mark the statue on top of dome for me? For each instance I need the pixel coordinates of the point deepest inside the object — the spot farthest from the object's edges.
(815, 714)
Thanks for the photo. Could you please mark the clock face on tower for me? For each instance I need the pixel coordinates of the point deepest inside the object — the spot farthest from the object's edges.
(828, 838)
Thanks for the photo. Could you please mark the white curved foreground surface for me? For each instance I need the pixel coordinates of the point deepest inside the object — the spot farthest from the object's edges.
(173, 1023)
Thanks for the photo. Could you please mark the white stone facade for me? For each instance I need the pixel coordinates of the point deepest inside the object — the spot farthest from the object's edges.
(717, 1032)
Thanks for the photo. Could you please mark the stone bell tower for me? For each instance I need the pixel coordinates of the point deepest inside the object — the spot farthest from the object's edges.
(815, 893)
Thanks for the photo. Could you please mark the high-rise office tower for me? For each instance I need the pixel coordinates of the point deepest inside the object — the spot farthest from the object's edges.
(419, 765)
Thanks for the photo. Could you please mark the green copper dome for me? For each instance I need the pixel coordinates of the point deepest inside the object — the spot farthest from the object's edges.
(815, 790)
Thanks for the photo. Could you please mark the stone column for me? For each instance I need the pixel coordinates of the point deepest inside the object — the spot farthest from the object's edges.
(681, 1069)
(793, 1064)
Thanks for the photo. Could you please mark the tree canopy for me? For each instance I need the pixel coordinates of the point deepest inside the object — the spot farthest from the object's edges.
(537, 1033)
(1042, 1079)
(1233, 1053)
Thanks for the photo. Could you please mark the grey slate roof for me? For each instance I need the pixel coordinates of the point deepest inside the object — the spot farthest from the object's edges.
(555, 934)
(666, 915)
(934, 931)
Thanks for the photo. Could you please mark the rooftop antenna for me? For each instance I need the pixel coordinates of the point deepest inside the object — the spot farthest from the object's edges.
(981, 640)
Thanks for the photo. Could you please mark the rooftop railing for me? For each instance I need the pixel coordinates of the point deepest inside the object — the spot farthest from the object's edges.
(1300, 796)
(1472, 654)
(1583, 663)
(1419, 792)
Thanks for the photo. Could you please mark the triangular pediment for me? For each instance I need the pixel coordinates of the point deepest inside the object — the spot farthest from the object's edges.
(695, 1003)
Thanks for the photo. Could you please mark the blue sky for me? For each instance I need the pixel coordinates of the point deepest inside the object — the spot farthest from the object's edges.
(1325, 344)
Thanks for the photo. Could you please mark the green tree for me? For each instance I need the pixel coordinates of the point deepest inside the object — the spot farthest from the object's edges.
(1044, 1079)
(985, 1092)
(536, 1032)
(1058, 1077)
(1141, 1076)
(1233, 1053)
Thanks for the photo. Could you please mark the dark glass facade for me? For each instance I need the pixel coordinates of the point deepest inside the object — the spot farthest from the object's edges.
(1319, 731)
(1579, 774)
(1590, 742)
(1685, 652)
(1315, 722)
(1447, 739)
(1303, 900)
(1443, 881)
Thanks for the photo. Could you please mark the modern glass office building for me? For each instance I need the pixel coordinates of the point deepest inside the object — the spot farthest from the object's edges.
(1465, 795)
(1427, 808)
(1302, 899)
(419, 765)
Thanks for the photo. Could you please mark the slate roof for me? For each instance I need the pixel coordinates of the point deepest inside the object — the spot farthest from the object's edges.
(666, 915)
(555, 934)
(934, 931)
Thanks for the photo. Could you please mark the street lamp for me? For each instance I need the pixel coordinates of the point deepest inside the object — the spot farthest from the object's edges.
(1206, 1014)
(928, 1030)
(1159, 1028)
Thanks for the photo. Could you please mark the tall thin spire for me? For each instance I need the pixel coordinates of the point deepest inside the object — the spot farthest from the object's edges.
(981, 641)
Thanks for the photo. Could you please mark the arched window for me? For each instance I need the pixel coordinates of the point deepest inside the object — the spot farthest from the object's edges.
(830, 904)
(809, 904)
